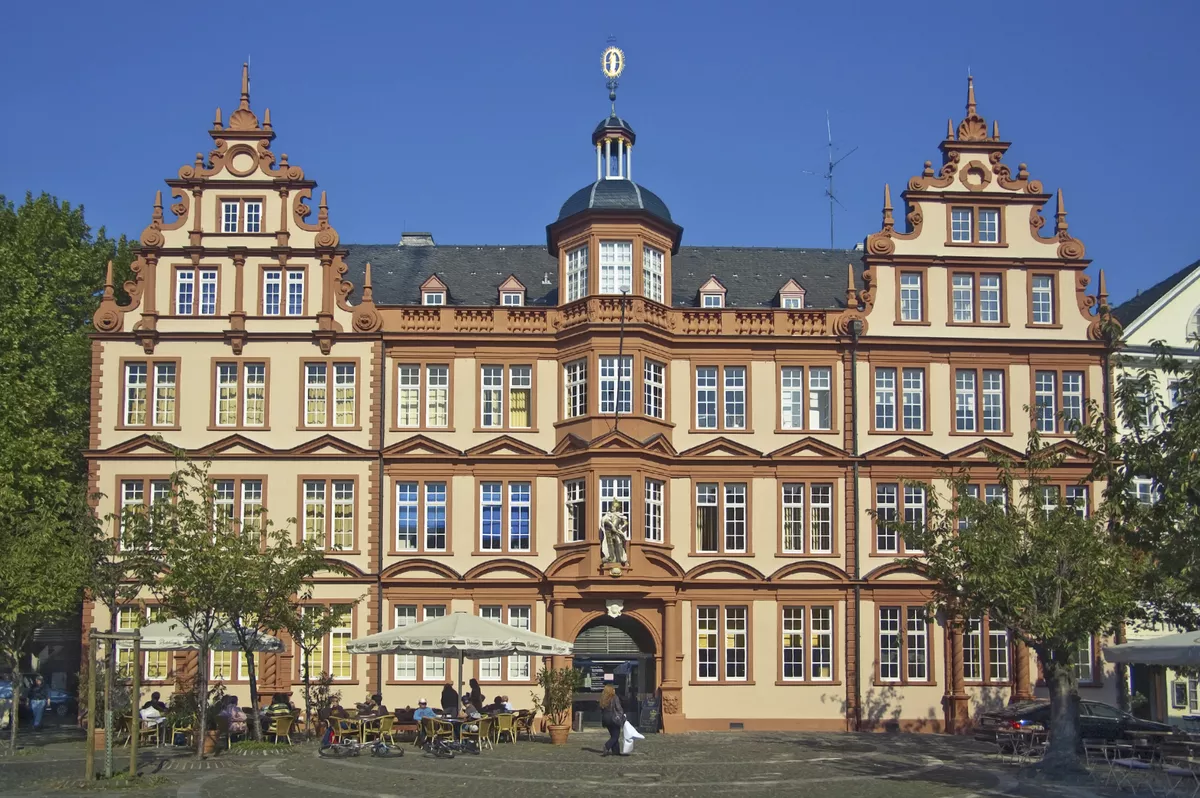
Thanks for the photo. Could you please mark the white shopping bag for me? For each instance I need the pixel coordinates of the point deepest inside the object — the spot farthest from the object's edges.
(628, 735)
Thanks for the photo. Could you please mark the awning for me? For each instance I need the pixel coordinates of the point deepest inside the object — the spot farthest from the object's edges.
(1175, 650)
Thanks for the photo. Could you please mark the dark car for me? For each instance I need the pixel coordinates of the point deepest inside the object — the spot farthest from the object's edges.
(59, 701)
(1096, 721)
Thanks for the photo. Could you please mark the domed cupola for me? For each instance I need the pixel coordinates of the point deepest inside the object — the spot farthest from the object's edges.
(623, 230)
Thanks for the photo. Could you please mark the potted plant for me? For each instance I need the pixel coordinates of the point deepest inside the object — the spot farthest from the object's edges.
(557, 700)
(212, 726)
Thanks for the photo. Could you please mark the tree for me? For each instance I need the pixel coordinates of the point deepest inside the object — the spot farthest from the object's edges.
(51, 267)
(189, 562)
(279, 568)
(1048, 571)
(308, 626)
(1153, 479)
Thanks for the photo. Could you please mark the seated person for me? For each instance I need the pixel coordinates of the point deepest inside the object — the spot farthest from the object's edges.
(493, 707)
(156, 702)
(338, 711)
(376, 707)
(235, 716)
(422, 711)
(470, 713)
(506, 704)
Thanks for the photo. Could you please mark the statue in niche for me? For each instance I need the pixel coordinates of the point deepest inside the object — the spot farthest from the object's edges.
(614, 532)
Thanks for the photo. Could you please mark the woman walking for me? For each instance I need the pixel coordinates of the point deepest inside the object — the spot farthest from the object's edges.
(613, 718)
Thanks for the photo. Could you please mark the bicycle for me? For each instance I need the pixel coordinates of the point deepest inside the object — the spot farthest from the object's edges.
(446, 749)
(348, 748)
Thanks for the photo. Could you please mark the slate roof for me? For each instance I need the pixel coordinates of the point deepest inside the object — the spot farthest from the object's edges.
(613, 122)
(615, 195)
(752, 275)
(1129, 310)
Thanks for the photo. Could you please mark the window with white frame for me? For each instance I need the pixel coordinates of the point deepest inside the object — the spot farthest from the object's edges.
(653, 388)
(316, 394)
(722, 643)
(421, 526)
(989, 226)
(737, 632)
(404, 666)
(914, 510)
(913, 390)
(976, 298)
(707, 517)
(241, 394)
(652, 273)
(407, 516)
(735, 517)
(229, 216)
(1054, 390)
(329, 513)
(616, 266)
(791, 302)
(512, 299)
(575, 377)
(1077, 499)
(491, 516)
(1042, 299)
(989, 299)
(721, 517)
(518, 665)
(912, 305)
(964, 298)
(735, 397)
(520, 397)
(706, 643)
(655, 489)
(903, 639)
(964, 400)
(961, 224)
(433, 297)
(619, 490)
(186, 290)
(889, 644)
(408, 396)
(712, 300)
(492, 668)
(893, 502)
(791, 397)
(820, 397)
(616, 390)
(272, 304)
(253, 216)
(911, 396)
(706, 397)
(341, 661)
(1050, 499)
(295, 292)
(1085, 660)
(577, 273)
(807, 657)
(812, 531)
(138, 411)
(492, 397)
(575, 496)
(885, 398)
(721, 397)
(917, 645)
(433, 668)
(208, 292)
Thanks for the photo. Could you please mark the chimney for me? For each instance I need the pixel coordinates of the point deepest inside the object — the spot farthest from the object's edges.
(416, 240)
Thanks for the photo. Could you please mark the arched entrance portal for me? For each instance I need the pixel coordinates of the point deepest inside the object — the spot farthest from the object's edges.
(617, 651)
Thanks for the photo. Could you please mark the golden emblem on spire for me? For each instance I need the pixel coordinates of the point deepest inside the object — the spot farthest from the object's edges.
(613, 62)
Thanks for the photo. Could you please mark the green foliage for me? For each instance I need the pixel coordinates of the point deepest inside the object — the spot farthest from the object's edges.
(1158, 448)
(559, 686)
(308, 626)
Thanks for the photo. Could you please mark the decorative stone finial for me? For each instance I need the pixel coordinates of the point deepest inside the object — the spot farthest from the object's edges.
(108, 281)
(266, 119)
(949, 128)
(217, 120)
(243, 118)
(996, 130)
(158, 209)
(245, 102)
(107, 317)
(889, 222)
(1060, 215)
(1101, 289)
(368, 294)
(851, 290)
(970, 95)
(973, 127)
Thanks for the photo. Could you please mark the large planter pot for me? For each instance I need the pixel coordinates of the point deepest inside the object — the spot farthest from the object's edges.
(211, 738)
(558, 734)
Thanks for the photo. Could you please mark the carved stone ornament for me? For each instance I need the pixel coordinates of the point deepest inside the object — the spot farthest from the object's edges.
(670, 703)
(614, 607)
(614, 531)
(107, 317)
(1069, 247)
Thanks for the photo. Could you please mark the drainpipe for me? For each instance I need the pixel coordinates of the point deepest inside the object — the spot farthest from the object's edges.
(383, 412)
(856, 327)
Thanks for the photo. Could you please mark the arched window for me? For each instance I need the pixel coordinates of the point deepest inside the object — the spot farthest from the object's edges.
(1193, 328)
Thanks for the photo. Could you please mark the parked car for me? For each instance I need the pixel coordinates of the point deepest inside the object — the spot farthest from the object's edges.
(1096, 721)
(60, 701)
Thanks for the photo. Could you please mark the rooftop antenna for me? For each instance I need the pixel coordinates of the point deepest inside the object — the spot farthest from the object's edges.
(829, 175)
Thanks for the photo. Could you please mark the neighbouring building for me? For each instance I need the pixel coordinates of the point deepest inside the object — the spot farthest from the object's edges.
(456, 421)
(1168, 311)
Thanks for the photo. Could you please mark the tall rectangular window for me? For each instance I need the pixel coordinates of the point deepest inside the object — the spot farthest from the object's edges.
(519, 508)
(821, 519)
(295, 292)
(820, 397)
(254, 394)
(706, 397)
(707, 509)
(735, 397)
(792, 644)
(815, 536)
(341, 661)
(1084, 662)
(577, 273)
(492, 397)
(520, 396)
(433, 668)
(706, 643)
(973, 651)
(960, 225)
(135, 394)
(404, 666)
(1042, 299)
(272, 292)
(408, 396)
(989, 299)
(998, 655)
(1053, 390)
(491, 515)
(887, 512)
(314, 510)
(964, 400)
(227, 394)
(316, 394)
(793, 518)
(576, 510)
(736, 633)
(250, 513)
(208, 292)
(791, 397)
(654, 388)
(1077, 499)
(164, 394)
(821, 621)
(889, 644)
(619, 490)
(989, 226)
(223, 504)
(917, 645)
(437, 396)
(993, 400)
(253, 217)
(914, 509)
(575, 375)
(133, 499)
(911, 302)
(407, 514)
(652, 273)
(654, 510)
(491, 668)
(616, 266)
(185, 292)
(229, 216)
(1072, 398)
(1045, 401)
(616, 390)
(342, 534)
(343, 394)
(735, 517)
(518, 666)
(885, 398)
(329, 513)
(964, 298)
(914, 399)
(435, 516)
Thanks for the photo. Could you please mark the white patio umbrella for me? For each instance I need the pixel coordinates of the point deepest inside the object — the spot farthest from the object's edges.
(460, 635)
(171, 635)
(1175, 650)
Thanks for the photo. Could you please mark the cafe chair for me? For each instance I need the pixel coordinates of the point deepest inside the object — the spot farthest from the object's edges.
(505, 726)
(482, 735)
(281, 726)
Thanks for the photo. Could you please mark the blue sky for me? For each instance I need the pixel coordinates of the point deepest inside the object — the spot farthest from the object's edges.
(472, 120)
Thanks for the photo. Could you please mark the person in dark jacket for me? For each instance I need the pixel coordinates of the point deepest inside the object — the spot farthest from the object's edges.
(476, 694)
(450, 700)
(39, 697)
(613, 718)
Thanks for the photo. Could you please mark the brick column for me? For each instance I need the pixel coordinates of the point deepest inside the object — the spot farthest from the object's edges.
(1022, 685)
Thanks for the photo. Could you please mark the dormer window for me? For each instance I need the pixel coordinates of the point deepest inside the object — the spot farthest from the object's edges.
(975, 225)
(434, 291)
(712, 293)
(512, 299)
(791, 296)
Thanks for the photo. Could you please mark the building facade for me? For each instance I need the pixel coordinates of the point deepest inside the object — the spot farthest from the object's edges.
(457, 424)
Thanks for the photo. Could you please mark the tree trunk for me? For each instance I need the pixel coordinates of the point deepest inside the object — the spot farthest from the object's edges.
(1062, 755)
(16, 704)
(255, 717)
(307, 695)
(202, 700)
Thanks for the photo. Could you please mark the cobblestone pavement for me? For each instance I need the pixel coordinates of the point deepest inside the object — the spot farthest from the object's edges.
(826, 765)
